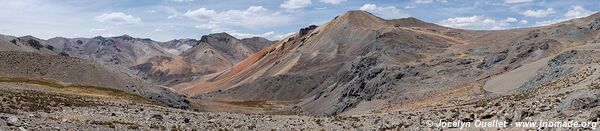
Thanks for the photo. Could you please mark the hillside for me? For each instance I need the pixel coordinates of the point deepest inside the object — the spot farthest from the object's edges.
(33, 62)
(359, 61)
(216, 52)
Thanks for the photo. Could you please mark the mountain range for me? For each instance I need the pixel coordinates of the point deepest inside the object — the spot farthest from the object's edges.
(137, 65)
(359, 61)
(357, 64)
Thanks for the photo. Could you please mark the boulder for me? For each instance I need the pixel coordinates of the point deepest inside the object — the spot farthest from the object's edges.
(12, 121)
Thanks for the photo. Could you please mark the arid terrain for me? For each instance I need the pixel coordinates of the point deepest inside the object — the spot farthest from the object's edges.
(355, 72)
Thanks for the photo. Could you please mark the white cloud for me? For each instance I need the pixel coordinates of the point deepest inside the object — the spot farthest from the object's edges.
(320, 8)
(548, 22)
(429, 1)
(269, 35)
(523, 22)
(248, 35)
(389, 12)
(368, 7)
(200, 14)
(253, 17)
(511, 19)
(423, 1)
(538, 13)
(335, 2)
(211, 25)
(118, 18)
(292, 5)
(182, 0)
(478, 22)
(574, 12)
(577, 12)
(516, 1)
(97, 29)
(281, 36)
(102, 31)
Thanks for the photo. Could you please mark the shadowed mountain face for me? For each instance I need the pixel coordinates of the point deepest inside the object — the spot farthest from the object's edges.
(359, 61)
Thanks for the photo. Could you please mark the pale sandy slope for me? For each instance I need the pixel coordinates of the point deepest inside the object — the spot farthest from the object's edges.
(507, 82)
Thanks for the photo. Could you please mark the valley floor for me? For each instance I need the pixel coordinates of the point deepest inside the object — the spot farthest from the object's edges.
(30, 105)
(38, 107)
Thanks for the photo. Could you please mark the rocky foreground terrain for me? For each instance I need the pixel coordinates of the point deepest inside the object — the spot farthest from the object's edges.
(39, 106)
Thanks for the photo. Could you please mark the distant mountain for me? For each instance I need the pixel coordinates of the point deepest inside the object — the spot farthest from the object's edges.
(122, 50)
(257, 43)
(178, 46)
(114, 62)
(154, 60)
(359, 62)
(26, 43)
(30, 59)
(212, 53)
(216, 52)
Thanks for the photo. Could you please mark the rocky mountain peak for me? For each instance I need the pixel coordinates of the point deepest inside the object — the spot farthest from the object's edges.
(58, 38)
(222, 35)
(98, 37)
(255, 38)
(216, 37)
(410, 22)
(359, 18)
(356, 13)
(125, 36)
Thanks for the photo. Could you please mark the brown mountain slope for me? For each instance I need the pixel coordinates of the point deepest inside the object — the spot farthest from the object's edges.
(358, 58)
(325, 49)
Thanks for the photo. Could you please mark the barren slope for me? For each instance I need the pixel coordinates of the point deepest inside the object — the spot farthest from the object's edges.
(73, 71)
(26, 43)
(30, 59)
(212, 53)
(358, 57)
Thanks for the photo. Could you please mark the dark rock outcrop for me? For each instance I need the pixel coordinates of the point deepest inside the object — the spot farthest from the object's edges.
(306, 30)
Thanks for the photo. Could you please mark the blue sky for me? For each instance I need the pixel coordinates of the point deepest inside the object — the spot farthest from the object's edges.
(173, 19)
